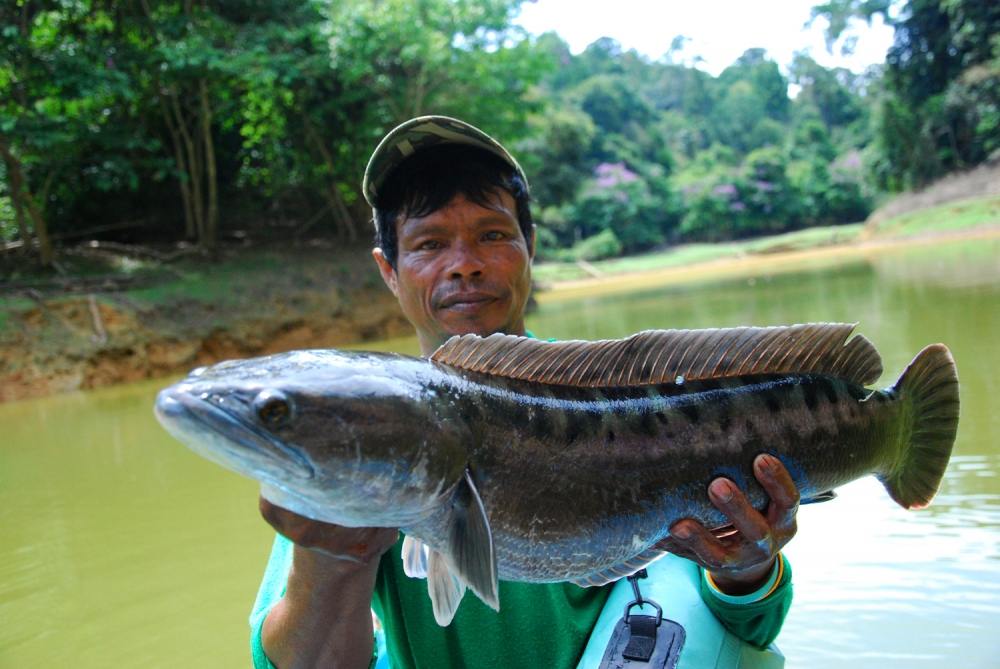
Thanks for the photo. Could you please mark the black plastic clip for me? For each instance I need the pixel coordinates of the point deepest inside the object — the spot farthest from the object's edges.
(640, 641)
(642, 629)
(639, 601)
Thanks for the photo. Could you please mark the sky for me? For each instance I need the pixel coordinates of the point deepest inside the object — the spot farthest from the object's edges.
(719, 30)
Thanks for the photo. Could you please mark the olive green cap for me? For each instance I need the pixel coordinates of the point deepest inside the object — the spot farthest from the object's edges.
(420, 133)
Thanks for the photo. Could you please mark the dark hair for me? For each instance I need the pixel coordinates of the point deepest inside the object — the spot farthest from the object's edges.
(431, 178)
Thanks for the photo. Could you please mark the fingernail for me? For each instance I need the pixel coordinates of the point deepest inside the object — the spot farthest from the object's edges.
(722, 490)
(766, 463)
(680, 532)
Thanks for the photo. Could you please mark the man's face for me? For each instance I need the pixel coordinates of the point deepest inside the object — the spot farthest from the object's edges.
(462, 269)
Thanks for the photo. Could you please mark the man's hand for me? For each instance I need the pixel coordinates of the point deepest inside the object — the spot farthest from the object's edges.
(324, 619)
(361, 545)
(740, 558)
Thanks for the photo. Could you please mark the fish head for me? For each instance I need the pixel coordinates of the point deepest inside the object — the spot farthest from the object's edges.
(359, 439)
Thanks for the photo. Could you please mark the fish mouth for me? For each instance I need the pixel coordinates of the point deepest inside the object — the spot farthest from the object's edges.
(227, 438)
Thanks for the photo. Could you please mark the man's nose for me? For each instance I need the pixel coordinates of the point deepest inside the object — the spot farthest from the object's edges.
(465, 261)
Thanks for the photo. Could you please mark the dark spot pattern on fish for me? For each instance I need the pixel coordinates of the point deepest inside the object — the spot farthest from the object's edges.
(593, 422)
(725, 420)
(690, 411)
(473, 410)
(772, 402)
(518, 413)
(709, 385)
(752, 434)
(540, 424)
(661, 416)
(574, 428)
(648, 425)
(810, 395)
(829, 389)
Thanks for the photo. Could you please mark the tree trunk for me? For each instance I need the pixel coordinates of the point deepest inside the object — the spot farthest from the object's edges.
(338, 208)
(22, 200)
(183, 174)
(211, 179)
(23, 231)
(192, 154)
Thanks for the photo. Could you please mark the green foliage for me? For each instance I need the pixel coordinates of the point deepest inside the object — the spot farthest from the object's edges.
(941, 93)
(194, 120)
(618, 199)
(597, 247)
(557, 153)
(833, 95)
(259, 106)
(8, 228)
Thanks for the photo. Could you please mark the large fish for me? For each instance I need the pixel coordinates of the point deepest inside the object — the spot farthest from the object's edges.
(512, 458)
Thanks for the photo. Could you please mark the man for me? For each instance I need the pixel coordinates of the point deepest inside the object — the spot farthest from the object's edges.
(455, 242)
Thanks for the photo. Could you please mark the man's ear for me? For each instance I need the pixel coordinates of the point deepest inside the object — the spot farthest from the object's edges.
(531, 244)
(386, 270)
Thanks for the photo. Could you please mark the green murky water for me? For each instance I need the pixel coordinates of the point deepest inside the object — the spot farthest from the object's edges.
(121, 548)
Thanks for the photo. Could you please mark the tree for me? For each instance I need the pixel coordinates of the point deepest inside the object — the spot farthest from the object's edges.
(557, 154)
(832, 93)
(58, 94)
(436, 56)
(940, 93)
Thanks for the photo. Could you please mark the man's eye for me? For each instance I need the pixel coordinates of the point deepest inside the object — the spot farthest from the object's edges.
(428, 245)
(495, 236)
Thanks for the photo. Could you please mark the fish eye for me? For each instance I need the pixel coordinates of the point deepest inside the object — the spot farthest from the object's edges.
(273, 408)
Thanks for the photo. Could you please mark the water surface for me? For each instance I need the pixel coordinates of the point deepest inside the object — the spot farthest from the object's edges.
(122, 548)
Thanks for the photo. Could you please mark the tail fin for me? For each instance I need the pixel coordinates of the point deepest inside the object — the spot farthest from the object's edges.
(928, 391)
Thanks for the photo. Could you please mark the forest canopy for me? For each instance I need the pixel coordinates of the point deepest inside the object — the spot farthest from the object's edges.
(205, 121)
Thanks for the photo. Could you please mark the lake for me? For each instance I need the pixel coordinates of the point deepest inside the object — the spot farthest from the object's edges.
(122, 548)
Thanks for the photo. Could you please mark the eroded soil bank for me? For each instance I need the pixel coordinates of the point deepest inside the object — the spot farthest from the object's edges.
(249, 302)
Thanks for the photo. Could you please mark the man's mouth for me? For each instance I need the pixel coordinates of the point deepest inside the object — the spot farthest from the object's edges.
(465, 300)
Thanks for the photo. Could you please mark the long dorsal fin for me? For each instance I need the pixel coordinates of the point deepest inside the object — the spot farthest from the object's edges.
(660, 356)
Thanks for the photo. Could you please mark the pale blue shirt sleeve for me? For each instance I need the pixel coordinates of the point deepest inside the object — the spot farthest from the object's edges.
(272, 588)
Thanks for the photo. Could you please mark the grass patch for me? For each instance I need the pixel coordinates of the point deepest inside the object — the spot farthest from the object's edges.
(8, 306)
(222, 281)
(809, 238)
(950, 217)
(691, 254)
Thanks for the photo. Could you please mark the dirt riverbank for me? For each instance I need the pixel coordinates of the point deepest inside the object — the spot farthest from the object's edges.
(249, 303)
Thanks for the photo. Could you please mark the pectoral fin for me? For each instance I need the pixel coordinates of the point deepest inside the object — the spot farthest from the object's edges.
(470, 543)
(471, 559)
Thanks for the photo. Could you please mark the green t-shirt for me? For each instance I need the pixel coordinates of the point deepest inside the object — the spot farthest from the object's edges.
(538, 625)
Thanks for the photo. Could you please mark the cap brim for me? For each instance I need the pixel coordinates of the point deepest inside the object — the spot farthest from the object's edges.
(421, 133)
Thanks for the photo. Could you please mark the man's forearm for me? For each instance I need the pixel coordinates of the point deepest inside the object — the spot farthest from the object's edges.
(324, 618)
